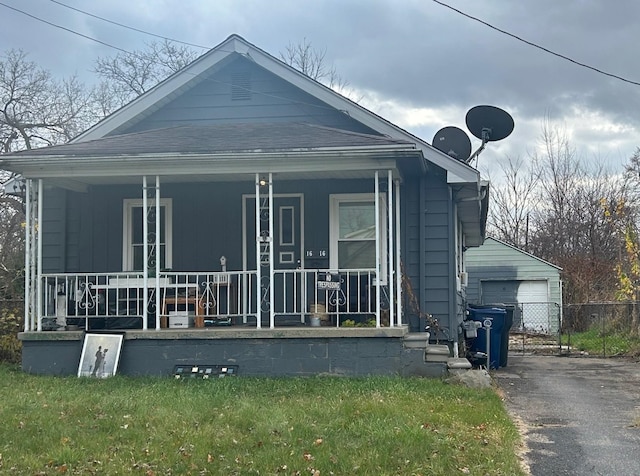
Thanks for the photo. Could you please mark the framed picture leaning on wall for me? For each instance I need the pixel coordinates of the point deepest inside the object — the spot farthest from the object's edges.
(100, 355)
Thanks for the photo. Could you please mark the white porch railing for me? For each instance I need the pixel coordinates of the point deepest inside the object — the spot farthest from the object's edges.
(333, 296)
(301, 296)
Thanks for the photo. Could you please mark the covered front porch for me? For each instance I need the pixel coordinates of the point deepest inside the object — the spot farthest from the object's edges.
(274, 275)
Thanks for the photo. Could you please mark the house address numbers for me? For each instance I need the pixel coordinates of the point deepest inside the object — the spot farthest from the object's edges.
(316, 253)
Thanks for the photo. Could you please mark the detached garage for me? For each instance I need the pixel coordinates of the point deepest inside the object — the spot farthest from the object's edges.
(500, 273)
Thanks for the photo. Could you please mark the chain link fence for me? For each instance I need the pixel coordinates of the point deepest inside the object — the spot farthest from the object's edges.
(602, 329)
(536, 328)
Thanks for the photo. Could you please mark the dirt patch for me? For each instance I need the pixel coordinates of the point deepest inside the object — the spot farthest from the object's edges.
(522, 451)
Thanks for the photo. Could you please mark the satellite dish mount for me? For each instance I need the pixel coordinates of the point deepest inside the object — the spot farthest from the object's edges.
(489, 124)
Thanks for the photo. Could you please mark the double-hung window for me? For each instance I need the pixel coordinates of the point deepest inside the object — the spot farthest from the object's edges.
(352, 230)
(134, 240)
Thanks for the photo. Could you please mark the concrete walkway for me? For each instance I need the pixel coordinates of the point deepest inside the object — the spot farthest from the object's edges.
(581, 416)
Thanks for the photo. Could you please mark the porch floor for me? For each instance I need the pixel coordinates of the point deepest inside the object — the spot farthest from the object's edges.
(233, 332)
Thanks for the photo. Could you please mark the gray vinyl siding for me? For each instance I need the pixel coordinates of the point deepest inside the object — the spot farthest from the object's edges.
(207, 223)
(53, 229)
(271, 99)
(497, 261)
(72, 245)
(439, 252)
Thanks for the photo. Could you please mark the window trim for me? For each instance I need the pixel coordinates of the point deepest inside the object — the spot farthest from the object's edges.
(128, 205)
(334, 227)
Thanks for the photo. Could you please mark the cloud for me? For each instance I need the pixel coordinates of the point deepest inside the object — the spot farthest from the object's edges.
(417, 63)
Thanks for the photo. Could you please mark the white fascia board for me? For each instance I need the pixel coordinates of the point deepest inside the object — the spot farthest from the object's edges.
(469, 176)
(172, 164)
(230, 166)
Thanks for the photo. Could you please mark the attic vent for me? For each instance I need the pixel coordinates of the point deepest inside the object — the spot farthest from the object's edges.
(241, 86)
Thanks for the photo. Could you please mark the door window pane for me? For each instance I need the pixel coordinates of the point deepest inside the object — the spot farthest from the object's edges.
(287, 226)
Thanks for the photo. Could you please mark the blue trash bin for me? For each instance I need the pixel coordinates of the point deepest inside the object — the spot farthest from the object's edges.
(497, 316)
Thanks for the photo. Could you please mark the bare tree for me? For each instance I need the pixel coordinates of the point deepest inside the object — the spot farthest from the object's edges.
(512, 201)
(11, 243)
(128, 75)
(36, 110)
(571, 228)
(312, 62)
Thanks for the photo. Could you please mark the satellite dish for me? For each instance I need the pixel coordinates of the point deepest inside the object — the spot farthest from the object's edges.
(453, 141)
(489, 123)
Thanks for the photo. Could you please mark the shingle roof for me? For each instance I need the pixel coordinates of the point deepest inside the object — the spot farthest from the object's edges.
(219, 138)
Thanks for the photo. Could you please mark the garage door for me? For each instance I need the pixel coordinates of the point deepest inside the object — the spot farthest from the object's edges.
(499, 292)
(533, 291)
(533, 297)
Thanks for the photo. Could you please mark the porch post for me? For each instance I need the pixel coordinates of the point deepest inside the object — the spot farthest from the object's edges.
(145, 253)
(377, 213)
(398, 295)
(258, 237)
(390, 258)
(27, 259)
(158, 254)
(271, 270)
(39, 258)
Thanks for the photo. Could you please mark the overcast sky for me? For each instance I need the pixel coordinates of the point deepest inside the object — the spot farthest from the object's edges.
(417, 63)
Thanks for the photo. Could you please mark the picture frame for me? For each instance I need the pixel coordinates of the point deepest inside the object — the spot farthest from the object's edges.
(100, 355)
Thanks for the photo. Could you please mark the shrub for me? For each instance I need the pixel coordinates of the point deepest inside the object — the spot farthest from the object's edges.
(11, 322)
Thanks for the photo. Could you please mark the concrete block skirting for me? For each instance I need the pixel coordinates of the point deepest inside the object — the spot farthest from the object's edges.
(256, 352)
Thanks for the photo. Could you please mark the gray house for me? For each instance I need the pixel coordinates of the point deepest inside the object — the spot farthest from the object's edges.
(501, 273)
(242, 213)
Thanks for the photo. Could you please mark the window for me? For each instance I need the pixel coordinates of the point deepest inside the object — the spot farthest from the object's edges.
(134, 240)
(352, 230)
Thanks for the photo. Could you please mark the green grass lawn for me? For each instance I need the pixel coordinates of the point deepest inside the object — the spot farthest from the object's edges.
(241, 425)
(593, 342)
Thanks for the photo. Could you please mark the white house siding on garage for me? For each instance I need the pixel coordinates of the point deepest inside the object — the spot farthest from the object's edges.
(500, 273)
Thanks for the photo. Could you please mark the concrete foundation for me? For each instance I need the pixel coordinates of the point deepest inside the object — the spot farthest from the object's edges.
(256, 352)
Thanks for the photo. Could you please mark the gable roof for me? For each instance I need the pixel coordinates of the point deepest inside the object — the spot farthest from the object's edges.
(197, 71)
(525, 253)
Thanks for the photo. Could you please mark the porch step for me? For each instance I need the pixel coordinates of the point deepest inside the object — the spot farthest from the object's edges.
(436, 353)
(454, 363)
(416, 340)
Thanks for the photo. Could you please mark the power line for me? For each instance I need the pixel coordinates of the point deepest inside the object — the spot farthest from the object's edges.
(64, 28)
(128, 27)
(275, 96)
(546, 50)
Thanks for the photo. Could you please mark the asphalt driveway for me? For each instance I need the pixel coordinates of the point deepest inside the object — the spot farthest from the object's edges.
(581, 416)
